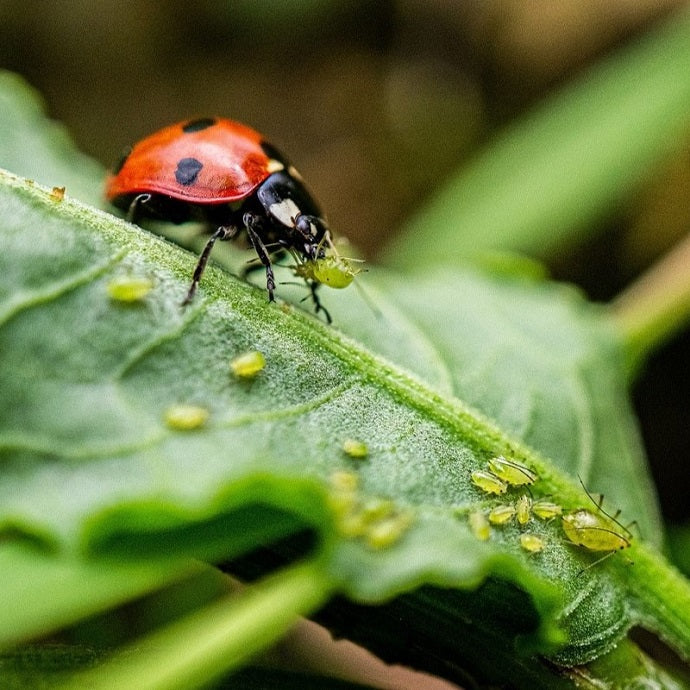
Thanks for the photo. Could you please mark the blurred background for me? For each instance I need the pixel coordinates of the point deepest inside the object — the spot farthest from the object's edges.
(377, 103)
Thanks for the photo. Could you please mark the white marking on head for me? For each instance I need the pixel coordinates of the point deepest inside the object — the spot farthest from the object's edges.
(285, 211)
(274, 165)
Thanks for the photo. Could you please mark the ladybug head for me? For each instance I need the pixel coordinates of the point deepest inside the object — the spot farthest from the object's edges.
(313, 231)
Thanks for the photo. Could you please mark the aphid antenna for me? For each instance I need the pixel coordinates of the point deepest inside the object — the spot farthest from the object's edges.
(613, 518)
(367, 299)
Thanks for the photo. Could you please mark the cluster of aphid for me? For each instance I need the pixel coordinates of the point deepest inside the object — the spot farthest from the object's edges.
(378, 522)
(594, 531)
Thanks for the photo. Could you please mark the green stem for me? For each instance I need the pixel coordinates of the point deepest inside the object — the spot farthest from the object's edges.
(663, 596)
(217, 639)
(656, 306)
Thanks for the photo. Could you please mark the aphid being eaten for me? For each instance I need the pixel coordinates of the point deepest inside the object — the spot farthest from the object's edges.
(327, 267)
(331, 270)
(511, 472)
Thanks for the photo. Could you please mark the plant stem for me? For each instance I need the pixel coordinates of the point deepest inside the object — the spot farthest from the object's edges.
(217, 639)
(662, 594)
(655, 306)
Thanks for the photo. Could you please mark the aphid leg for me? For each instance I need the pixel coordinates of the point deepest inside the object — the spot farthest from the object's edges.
(133, 210)
(599, 560)
(222, 233)
(250, 221)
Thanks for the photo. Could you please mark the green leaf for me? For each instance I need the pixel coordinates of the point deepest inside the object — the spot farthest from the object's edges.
(90, 466)
(550, 175)
(39, 149)
(92, 470)
(70, 588)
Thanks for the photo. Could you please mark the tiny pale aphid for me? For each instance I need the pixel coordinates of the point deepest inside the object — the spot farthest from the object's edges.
(488, 482)
(546, 510)
(248, 364)
(344, 481)
(531, 543)
(479, 525)
(355, 449)
(511, 472)
(502, 515)
(185, 417)
(129, 288)
(385, 533)
(522, 508)
(595, 532)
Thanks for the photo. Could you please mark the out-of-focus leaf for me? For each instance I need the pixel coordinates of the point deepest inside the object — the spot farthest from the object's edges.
(549, 176)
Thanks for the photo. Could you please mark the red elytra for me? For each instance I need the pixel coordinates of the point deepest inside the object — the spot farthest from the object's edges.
(234, 162)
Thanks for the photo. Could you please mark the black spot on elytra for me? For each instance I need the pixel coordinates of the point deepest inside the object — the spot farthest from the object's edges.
(187, 170)
(273, 153)
(123, 159)
(199, 124)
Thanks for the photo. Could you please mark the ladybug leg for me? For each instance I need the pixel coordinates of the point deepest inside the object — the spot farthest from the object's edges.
(133, 210)
(250, 221)
(223, 233)
(313, 285)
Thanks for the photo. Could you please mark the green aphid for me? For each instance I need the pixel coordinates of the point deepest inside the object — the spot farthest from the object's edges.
(595, 532)
(128, 288)
(512, 472)
(522, 509)
(185, 417)
(342, 480)
(479, 525)
(355, 449)
(248, 364)
(546, 510)
(502, 515)
(488, 482)
(385, 533)
(531, 543)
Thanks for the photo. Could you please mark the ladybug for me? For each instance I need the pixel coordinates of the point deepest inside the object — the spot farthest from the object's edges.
(226, 175)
